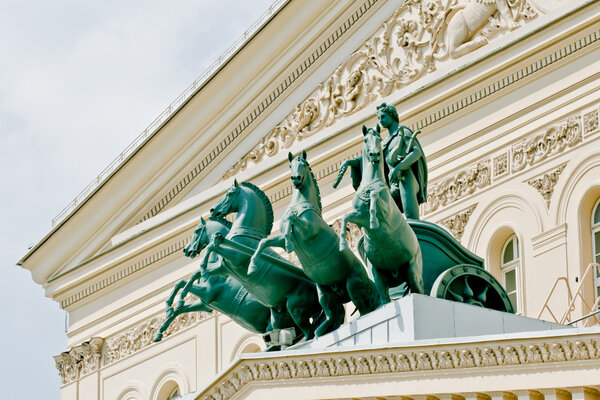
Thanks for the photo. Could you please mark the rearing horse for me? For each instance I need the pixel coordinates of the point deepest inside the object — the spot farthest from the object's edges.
(389, 245)
(280, 290)
(215, 291)
(339, 275)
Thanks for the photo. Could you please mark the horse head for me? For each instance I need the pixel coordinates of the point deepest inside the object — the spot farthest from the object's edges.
(228, 203)
(300, 169)
(198, 241)
(372, 147)
(203, 233)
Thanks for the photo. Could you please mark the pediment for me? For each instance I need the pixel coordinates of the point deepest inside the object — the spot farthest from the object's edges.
(323, 71)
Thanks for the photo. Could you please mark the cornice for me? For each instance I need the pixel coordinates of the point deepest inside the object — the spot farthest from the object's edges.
(400, 361)
(260, 108)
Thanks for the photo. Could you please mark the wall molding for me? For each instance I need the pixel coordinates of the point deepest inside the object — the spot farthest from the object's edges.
(313, 368)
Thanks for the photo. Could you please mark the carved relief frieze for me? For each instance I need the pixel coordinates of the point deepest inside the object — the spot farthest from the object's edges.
(80, 360)
(402, 361)
(551, 141)
(414, 41)
(456, 223)
(133, 340)
(447, 190)
(545, 184)
(500, 165)
(590, 122)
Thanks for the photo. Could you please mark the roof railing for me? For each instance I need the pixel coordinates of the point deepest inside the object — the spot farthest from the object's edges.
(589, 312)
(182, 98)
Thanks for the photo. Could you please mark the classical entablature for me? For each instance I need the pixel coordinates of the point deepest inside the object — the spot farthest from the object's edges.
(510, 368)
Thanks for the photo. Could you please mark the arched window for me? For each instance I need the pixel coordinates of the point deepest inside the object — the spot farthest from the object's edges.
(596, 245)
(510, 264)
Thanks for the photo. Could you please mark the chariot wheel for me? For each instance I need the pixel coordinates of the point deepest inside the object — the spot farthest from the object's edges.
(473, 285)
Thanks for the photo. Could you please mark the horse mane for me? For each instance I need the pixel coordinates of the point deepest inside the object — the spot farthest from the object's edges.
(318, 191)
(267, 203)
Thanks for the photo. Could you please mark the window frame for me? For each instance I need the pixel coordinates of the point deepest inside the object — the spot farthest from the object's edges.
(595, 230)
(512, 265)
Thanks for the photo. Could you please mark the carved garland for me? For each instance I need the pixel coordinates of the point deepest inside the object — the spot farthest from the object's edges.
(459, 185)
(401, 361)
(407, 46)
(457, 222)
(141, 336)
(524, 154)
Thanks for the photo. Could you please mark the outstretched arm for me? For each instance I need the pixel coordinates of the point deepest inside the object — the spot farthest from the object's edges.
(352, 162)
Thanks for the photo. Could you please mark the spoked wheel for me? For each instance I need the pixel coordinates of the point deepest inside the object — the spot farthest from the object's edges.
(473, 285)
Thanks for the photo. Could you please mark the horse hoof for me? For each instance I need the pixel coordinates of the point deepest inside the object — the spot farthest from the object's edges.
(158, 337)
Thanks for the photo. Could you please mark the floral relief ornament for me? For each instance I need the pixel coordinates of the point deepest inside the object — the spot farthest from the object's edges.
(398, 361)
(419, 36)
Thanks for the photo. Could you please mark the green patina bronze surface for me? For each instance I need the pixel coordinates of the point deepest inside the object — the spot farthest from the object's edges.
(339, 275)
(405, 163)
(389, 246)
(286, 292)
(214, 291)
(452, 272)
(242, 277)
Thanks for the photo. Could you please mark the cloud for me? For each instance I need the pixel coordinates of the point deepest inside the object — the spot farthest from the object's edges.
(79, 80)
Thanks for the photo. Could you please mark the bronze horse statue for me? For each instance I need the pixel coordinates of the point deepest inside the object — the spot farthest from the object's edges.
(389, 246)
(339, 275)
(277, 288)
(215, 291)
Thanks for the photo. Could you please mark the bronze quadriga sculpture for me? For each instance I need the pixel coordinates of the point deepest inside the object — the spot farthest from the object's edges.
(214, 290)
(285, 292)
(339, 275)
(241, 277)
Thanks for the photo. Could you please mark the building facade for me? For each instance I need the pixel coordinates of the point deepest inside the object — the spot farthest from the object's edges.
(506, 94)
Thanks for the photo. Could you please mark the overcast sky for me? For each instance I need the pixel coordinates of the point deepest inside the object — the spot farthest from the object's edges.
(79, 80)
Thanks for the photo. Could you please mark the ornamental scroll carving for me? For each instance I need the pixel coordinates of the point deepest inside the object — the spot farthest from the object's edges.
(456, 223)
(546, 183)
(80, 360)
(140, 336)
(465, 182)
(399, 361)
(553, 140)
(410, 44)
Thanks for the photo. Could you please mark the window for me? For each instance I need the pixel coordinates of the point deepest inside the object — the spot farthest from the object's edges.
(510, 263)
(596, 245)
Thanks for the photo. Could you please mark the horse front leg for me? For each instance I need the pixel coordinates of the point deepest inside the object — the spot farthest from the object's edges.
(195, 276)
(197, 306)
(178, 286)
(356, 218)
(373, 206)
(274, 241)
